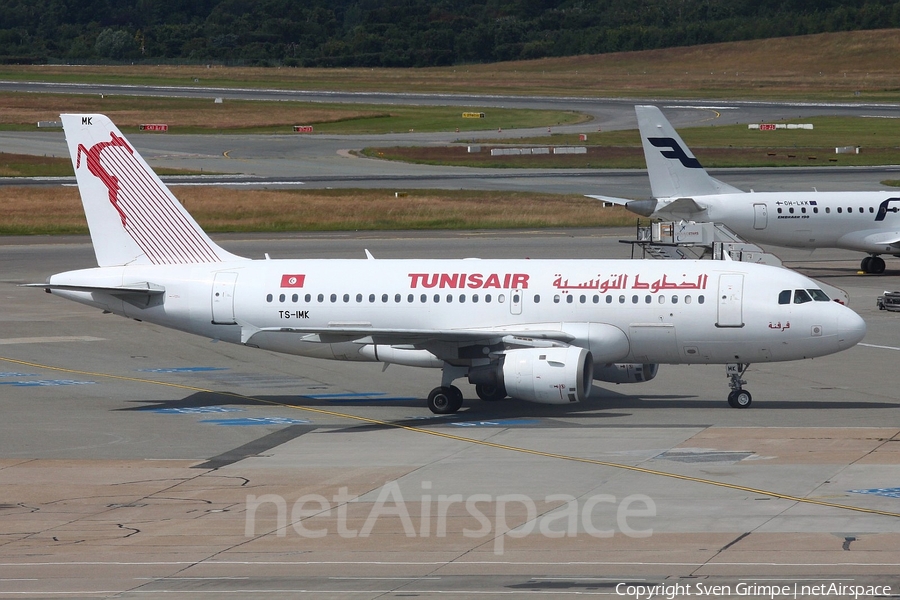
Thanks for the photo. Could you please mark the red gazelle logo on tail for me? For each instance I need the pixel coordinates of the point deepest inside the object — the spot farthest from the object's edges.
(97, 170)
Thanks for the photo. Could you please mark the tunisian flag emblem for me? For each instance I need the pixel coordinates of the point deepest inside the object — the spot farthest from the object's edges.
(292, 281)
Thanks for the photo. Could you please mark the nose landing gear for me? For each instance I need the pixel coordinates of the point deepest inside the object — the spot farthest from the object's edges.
(738, 397)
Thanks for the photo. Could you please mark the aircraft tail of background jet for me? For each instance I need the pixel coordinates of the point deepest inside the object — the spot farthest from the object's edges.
(673, 169)
(132, 216)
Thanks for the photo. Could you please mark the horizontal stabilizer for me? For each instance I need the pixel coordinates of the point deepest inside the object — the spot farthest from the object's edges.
(145, 288)
(137, 294)
(686, 208)
(611, 199)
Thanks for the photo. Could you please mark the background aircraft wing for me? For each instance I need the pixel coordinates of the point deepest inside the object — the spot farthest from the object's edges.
(871, 238)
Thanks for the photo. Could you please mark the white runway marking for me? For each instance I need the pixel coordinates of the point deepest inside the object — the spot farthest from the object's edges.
(881, 347)
(50, 339)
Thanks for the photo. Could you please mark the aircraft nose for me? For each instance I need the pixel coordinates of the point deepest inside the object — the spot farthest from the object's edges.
(851, 329)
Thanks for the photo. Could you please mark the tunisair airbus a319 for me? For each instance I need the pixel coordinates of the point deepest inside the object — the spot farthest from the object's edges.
(536, 330)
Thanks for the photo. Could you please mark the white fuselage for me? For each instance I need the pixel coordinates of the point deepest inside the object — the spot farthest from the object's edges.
(862, 221)
(622, 311)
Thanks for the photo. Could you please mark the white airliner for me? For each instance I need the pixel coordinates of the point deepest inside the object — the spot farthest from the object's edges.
(536, 330)
(682, 189)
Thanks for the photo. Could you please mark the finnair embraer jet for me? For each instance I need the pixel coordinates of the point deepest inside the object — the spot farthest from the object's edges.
(537, 330)
(682, 189)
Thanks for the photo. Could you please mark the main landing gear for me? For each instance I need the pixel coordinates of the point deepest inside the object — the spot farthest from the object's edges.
(447, 399)
(872, 264)
(738, 397)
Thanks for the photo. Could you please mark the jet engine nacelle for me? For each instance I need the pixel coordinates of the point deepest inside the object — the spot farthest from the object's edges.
(548, 375)
(626, 372)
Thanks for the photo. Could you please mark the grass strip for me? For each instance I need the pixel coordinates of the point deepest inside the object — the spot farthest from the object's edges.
(58, 210)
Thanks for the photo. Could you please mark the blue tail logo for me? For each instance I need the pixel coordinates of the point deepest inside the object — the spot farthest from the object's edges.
(675, 151)
(884, 209)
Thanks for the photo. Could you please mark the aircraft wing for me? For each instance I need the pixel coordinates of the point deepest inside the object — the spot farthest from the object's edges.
(871, 238)
(521, 335)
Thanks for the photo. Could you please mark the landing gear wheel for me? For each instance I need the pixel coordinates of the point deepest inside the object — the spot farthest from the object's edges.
(445, 400)
(873, 265)
(731, 400)
(490, 393)
(457, 399)
(739, 399)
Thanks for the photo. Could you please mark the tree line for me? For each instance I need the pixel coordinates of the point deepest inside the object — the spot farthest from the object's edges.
(401, 33)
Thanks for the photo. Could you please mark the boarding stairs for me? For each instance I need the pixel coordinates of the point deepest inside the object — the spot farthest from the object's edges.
(675, 240)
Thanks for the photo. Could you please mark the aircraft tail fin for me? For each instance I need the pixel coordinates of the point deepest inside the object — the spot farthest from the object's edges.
(132, 215)
(673, 169)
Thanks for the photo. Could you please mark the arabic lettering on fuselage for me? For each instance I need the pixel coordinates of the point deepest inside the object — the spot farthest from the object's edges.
(625, 282)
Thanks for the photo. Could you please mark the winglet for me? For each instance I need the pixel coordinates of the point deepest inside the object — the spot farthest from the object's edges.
(132, 215)
(674, 171)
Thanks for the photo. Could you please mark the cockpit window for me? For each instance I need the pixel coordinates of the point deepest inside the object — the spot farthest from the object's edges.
(801, 296)
(818, 295)
(784, 297)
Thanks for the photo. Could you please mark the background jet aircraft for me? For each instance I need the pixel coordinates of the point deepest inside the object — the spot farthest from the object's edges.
(864, 221)
(537, 330)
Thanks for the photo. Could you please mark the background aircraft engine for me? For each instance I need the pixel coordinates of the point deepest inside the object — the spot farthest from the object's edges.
(626, 372)
(548, 375)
